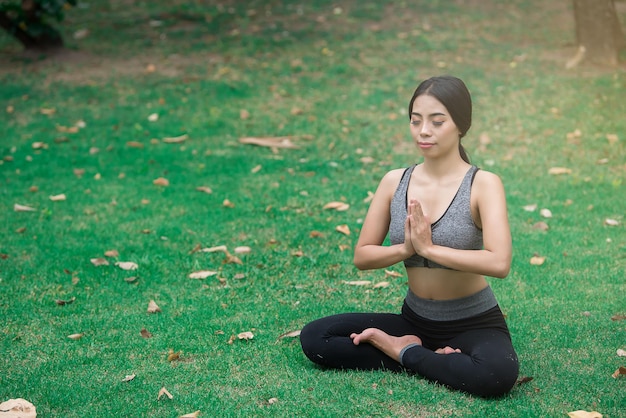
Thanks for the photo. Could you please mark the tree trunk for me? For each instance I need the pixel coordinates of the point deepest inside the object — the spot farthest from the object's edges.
(46, 38)
(598, 31)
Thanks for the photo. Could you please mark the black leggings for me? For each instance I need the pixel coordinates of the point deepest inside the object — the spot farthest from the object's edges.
(487, 365)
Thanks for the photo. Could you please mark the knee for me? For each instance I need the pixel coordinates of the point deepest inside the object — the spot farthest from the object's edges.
(500, 377)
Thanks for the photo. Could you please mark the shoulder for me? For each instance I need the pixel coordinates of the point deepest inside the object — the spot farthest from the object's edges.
(390, 182)
(487, 183)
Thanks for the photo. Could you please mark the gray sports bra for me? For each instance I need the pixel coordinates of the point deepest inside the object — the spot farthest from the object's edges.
(455, 228)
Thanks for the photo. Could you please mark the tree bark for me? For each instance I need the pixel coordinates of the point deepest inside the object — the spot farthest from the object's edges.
(598, 31)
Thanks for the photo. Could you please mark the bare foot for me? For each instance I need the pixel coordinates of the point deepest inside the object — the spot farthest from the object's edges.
(388, 344)
(447, 350)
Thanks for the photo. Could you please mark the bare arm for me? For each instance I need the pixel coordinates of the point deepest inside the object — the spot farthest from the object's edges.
(369, 252)
(495, 258)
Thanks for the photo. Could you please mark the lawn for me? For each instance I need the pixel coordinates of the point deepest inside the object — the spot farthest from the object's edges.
(127, 148)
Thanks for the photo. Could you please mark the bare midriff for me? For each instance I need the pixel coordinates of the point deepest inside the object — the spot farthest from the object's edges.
(443, 284)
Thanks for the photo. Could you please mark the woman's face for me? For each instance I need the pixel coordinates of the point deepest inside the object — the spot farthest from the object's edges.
(432, 127)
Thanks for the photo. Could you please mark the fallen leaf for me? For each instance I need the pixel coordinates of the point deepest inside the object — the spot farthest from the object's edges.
(129, 377)
(245, 335)
(338, 206)
(242, 250)
(244, 114)
(164, 391)
(256, 169)
(542, 226)
(272, 401)
(381, 285)
(546, 213)
(357, 282)
(277, 142)
(231, 259)
(153, 117)
(191, 415)
(218, 248)
(21, 208)
(176, 139)
(612, 138)
(17, 408)
(61, 302)
(315, 234)
(202, 274)
(611, 222)
(537, 260)
(153, 307)
(47, 111)
(298, 253)
(524, 379)
(76, 336)
(530, 208)
(58, 197)
(619, 372)
(204, 189)
(161, 181)
(621, 352)
(228, 204)
(127, 265)
(290, 334)
(111, 253)
(389, 273)
(99, 262)
(555, 171)
(134, 144)
(172, 356)
(145, 333)
(584, 414)
(369, 198)
(618, 317)
(344, 229)
(132, 279)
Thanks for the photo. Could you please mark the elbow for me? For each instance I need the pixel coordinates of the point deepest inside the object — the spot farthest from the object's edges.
(359, 263)
(502, 269)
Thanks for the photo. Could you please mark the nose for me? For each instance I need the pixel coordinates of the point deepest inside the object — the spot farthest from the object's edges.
(424, 130)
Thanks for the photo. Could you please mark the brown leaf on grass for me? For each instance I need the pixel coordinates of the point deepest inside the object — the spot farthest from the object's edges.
(344, 229)
(357, 282)
(389, 273)
(218, 248)
(621, 352)
(76, 336)
(555, 171)
(145, 333)
(298, 253)
(611, 222)
(242, 250)
(176, 139)
(290, 334)
(256, 169)
(244, 114)
(153, 307)
(111, 253)
(228, 204)
(99, 261)
(132, 279)
(134, 144)
(164, 392)
(247, 335)
(232, 259)
(541, 226)
(161, 181)
(530, 208)
(523, 379)
(537, 260)
(79, 172)
(194, 414)
(58, 197)
(381, 285)
(172, 355)
(369, 197)
(584, 414)
(619, 372)
(202, 274)
(338, 206)
(315, 234)
(546, 213)
(129, 377)
(61, 302)
(618, 317)
(47, 111)
(127, 265)
(17, 408)
(22, 208)
(612, 138)
(204, 189)
(271, 142)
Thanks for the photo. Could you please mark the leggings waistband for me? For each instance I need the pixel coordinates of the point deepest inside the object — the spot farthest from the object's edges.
(451, 310)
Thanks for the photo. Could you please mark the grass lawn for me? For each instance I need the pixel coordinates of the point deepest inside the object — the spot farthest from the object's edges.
(127, 149)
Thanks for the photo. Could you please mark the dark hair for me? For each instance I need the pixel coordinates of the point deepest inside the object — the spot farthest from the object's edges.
(454, 95)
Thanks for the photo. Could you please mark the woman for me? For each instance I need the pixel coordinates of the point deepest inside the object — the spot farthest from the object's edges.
(447, 221)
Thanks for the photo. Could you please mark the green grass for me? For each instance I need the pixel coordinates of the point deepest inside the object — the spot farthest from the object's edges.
(337, 77)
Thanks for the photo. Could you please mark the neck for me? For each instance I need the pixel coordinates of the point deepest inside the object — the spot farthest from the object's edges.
(445, 166)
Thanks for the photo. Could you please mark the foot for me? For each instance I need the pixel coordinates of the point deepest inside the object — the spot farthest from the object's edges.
(447, 350)
(388, 344)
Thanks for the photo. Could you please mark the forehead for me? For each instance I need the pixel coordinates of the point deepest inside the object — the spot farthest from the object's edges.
(426, 105)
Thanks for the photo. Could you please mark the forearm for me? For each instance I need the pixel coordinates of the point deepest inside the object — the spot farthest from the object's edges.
(370, 257)
(485, 262)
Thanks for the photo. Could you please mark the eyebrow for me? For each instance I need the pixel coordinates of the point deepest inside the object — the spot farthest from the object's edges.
(431, 115)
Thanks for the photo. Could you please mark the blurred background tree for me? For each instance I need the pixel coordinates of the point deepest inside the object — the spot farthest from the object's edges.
(28, 21)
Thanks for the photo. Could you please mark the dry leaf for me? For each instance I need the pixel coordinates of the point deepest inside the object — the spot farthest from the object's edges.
(161, 181)
(99, 261)
(191, 415)
(621, 353)
(298, 253)
(338, 206)
(17, 408)
(357, 282)
(618, 317)
(202, 274)
(584, 414)
(134, 144)
(256, 169)
(22, 208)
(164, 391)
(228, 204)
(176, 139)
(537, 260)
(245, 335)
(231, 259)
(542, 226)
(129, 377)
(145, 333)
(381, 285)
(559, 170)
(76, 336)
(61, 302)
(612, 138)
(290, 334)
(153, 117)
(243, 250)
(244, 114)
(221, 248)
(369, 198)
(153, 307)
(315, 234)
(278, 142)
(172, 356)
(204, 189)
(611, 222)
(619, 372)
(530, 208)
(344, 229)
(58, 197)
(127, 265)
(389, 273)
(524, 379)
(272, 401)
(132, 279)
(546, 213)
(111, 253)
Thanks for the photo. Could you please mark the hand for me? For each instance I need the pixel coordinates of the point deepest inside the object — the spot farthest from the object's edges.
(419, 226)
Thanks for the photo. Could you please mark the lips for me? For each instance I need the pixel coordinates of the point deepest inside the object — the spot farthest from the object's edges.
(425, 144)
